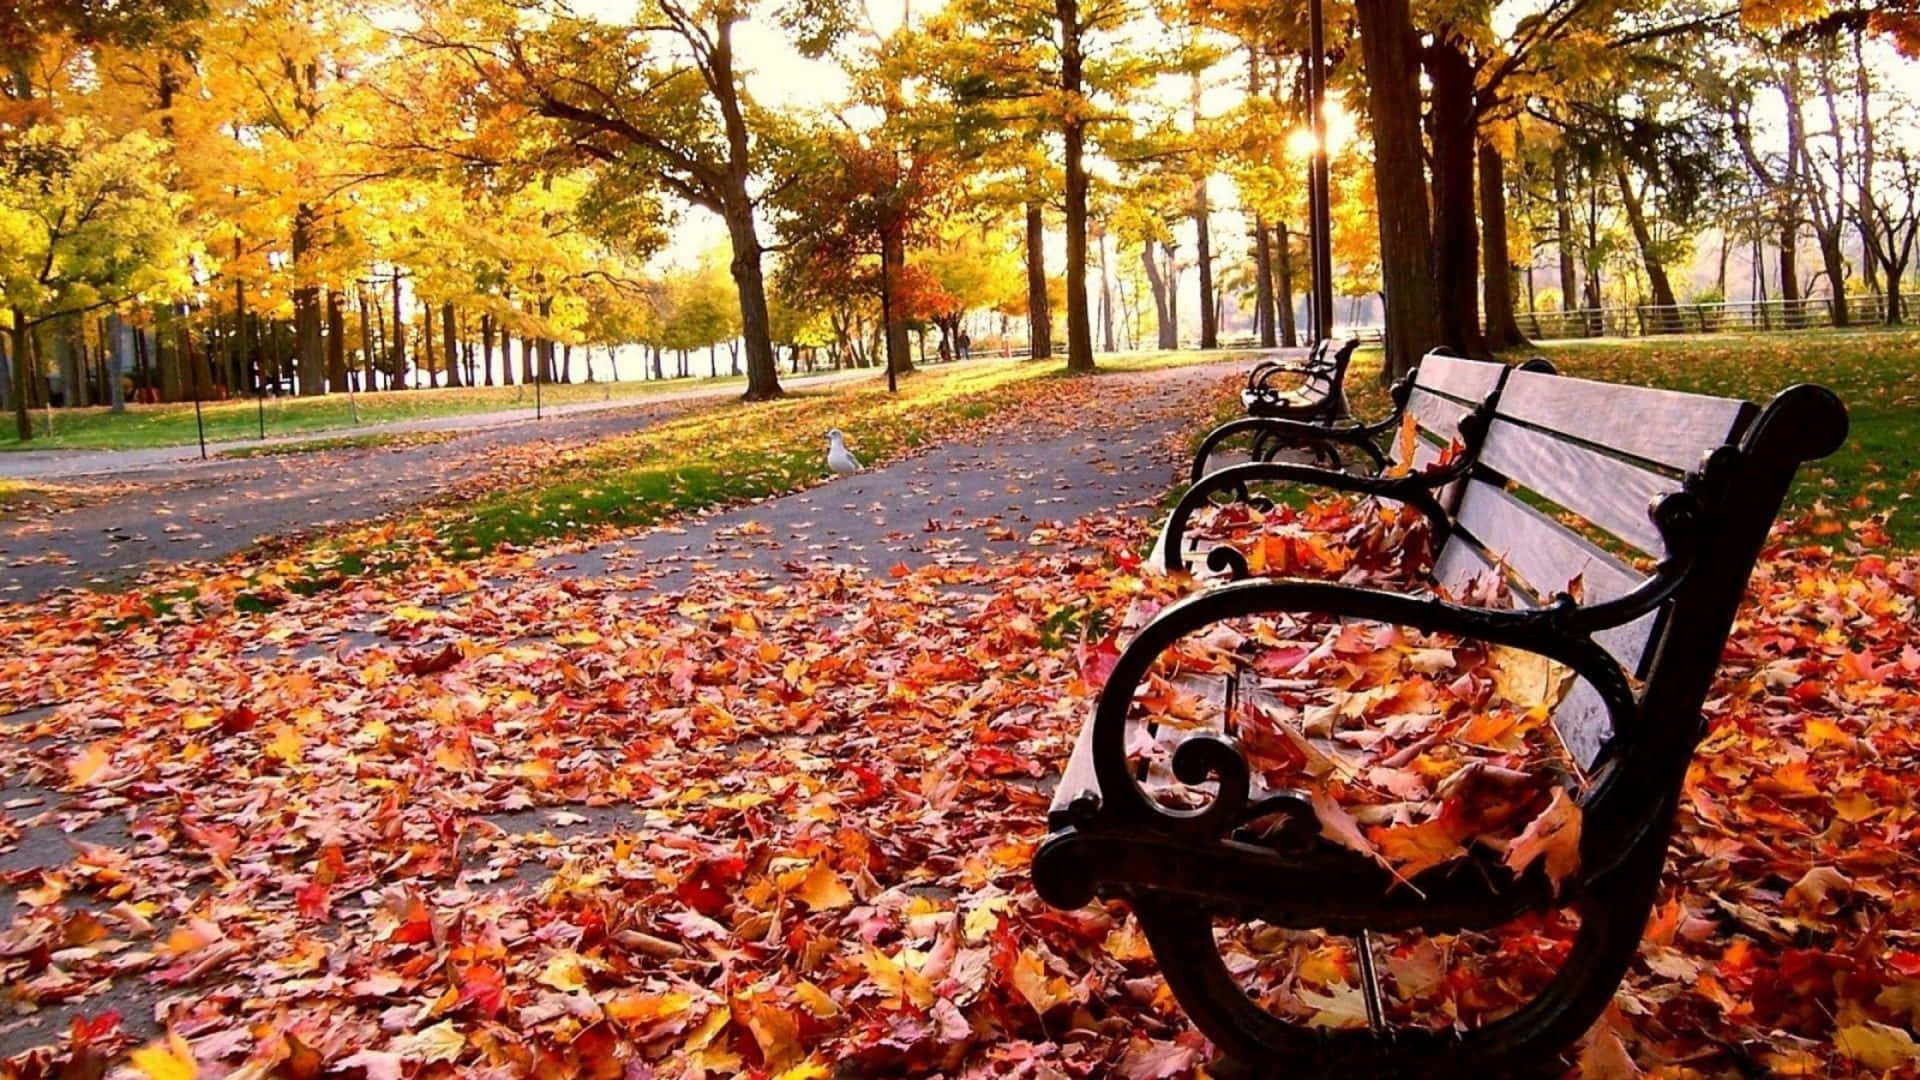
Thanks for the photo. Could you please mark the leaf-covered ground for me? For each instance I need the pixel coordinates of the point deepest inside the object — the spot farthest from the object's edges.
(780, 825)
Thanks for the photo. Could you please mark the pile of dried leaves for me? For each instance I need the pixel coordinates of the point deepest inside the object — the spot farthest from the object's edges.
(782, 826)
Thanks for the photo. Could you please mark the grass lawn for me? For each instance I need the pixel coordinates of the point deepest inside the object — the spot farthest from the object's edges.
(1875, 371)
(143, 426)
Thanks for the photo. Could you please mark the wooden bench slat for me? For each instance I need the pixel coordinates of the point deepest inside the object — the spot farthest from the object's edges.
(1540, 551)
(1077, 779)
(1664, 426)
(1614, 495)
(1468, 380)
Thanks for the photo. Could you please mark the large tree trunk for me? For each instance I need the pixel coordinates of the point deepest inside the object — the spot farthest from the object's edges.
(426, 345)
(1262, 286)
(22, 380)
(756, 326)
(893, 258)
(1079, 321)
(1039, 317)
(449, 340)
(1283, 286)
(1406, 242)
(336, 342)
(1456, 242)
(1202, 240)
(310, 363)
(1503, 331)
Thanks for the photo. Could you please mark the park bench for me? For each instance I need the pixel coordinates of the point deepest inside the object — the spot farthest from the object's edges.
(1317, 390)
(1673, 496)
(1447, 400)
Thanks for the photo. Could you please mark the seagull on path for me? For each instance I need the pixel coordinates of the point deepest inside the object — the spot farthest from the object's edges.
(837, 457)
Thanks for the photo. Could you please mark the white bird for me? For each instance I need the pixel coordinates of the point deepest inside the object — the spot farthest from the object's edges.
(837, 457)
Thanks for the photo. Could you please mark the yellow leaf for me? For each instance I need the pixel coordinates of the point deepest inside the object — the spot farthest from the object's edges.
(982, 920)
(1528, 679)
(286, 745)
(1554, 836)
(1030, 978)
(1876, 1045)
(822, 891)
(806, 1070)
(566, 971)
(636, 1008)
(816, 1000)
(437, 1043)
(171, 1059)
(83, 768)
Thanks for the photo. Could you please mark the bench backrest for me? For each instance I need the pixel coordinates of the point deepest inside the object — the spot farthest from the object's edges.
(1445, 389)
(1598, 456)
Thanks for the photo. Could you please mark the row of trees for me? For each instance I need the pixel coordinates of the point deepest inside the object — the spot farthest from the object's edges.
(332, 193)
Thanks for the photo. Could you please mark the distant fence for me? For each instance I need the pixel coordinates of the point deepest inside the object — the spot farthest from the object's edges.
(1747, 315)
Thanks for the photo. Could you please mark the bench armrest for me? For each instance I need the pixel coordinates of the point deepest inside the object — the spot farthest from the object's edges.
(1289, 433)
(1103, 785)
(1415, 490)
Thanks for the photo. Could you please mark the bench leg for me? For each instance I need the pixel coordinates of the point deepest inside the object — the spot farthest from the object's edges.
(1529, 1041)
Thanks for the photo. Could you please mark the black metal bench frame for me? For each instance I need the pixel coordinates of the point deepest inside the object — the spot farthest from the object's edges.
(1321, 395)
(1421, 489)
(1181, 868)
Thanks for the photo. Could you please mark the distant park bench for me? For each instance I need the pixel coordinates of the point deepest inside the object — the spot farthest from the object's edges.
(1684, 484)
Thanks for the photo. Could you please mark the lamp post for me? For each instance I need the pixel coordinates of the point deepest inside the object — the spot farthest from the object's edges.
(1319, 201)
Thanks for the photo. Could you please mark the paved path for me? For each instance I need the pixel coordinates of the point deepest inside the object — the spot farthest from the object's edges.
(69, 464)
(959, 502)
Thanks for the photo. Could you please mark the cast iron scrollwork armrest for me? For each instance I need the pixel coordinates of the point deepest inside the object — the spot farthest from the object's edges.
(1124, 803)
(1415, 490)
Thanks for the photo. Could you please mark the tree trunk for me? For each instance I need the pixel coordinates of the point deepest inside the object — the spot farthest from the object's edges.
(1456, 243)
(22, 370)
(1563, 216)
(1163, 326)
(1039, 318)
(1263, 285)
(1667, 321)
(893, 258)
(1406, 242)
(1503, 332)
(336, 342)
(311, 363)
(486, 348)
(426, 345)
(1283, 286)
(366, 344)
(763, 367)
(449, 340)
(1202, 239)
(1106, 298)
(398, 371)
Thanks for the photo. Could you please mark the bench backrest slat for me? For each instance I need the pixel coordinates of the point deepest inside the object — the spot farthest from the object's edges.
(1662, 426)
(1609, 492)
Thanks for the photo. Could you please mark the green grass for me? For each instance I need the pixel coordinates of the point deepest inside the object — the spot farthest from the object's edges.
(144, 426)
(342, 442)
(1875, 371)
